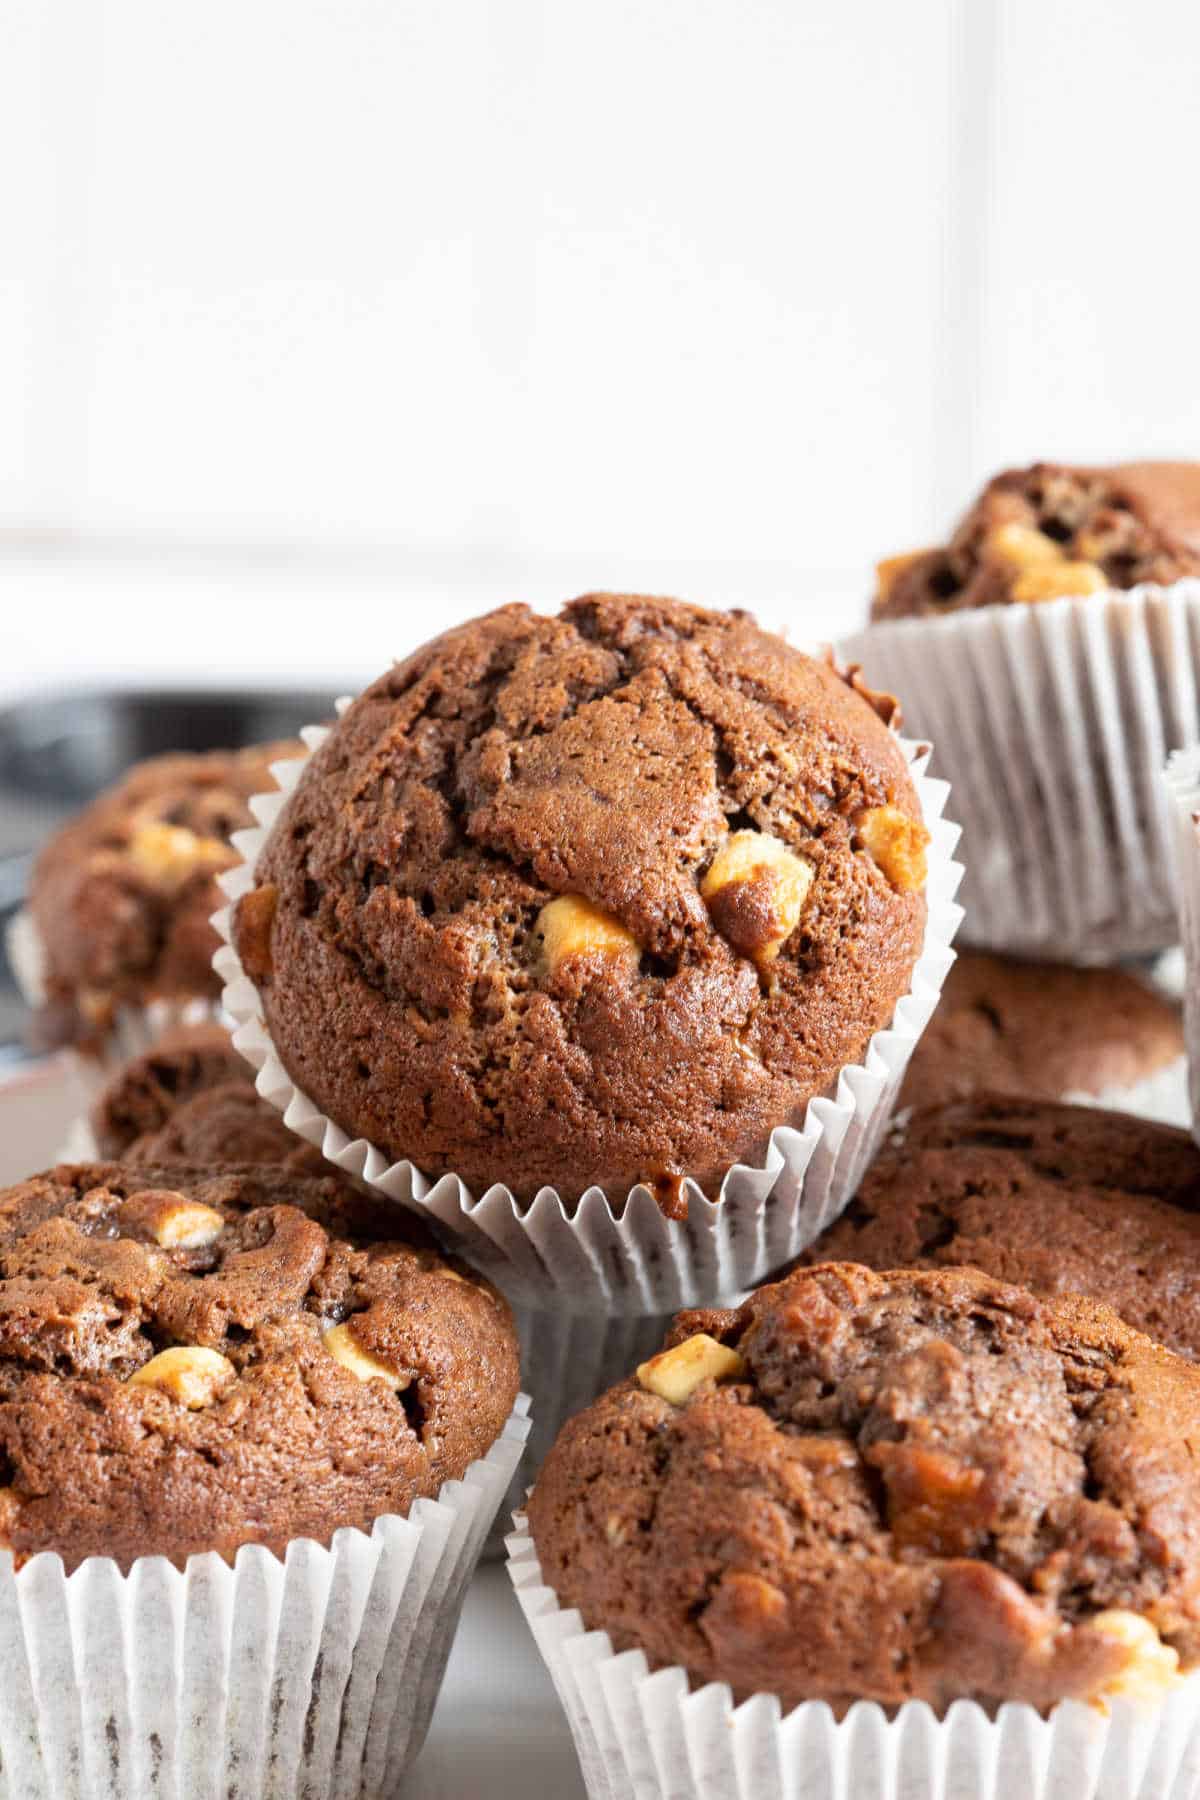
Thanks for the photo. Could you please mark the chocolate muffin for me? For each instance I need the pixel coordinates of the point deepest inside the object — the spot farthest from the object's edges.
(1059, 1198)
(595, 899)
(1041, 1030)
(143, 1094)
(121, 898)
(191, 1098)
(1052, 530)
(192, 1360)
(914, 1485)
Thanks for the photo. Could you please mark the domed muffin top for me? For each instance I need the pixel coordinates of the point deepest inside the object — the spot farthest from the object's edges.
(192, 1360)
(122, 897)
(1051, 531)
(598, 898)
(1063, 1199)
(1039, 1029)
(190, 1098)
(913, 1485)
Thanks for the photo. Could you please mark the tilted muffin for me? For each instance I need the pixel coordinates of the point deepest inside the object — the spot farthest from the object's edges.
(191, 1098)
(1041, 1030)
(1059, 1198)
(193, 1360)
(913, 1485)
(122, 897)
(1052, 530)
(594, 899)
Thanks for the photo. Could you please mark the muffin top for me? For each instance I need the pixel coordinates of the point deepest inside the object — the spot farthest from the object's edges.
(1059, 1198)
(229, 1124)
(1041, 1030)
(914, 1485)
(1053, 530)
(148, 1089)
(594, 899)
(122, 896)
(192, 1360)
(191, 1098)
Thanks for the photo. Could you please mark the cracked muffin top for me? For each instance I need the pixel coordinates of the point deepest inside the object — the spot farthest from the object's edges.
(121, 897)
(191, 1360)
(191, 1098)
(1050, 531)
(1059, 1198)
(912, 1485)
(1041, 1030)
(593, 899)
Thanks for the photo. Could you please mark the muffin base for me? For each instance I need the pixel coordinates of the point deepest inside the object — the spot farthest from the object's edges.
(1054, 721)
(313, 1675)
(620, 1254)
(657, 1737)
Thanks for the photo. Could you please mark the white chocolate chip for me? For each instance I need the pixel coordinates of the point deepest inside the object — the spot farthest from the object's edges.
(570, 927)
(188, 1225)
(1058, 581)
(758, 857)
(188, 1373)
(169, 854)
(889, 571)
(896, 845)
(675, 1374)
(1153, 1667)
(1021, 547)
(345, 1349)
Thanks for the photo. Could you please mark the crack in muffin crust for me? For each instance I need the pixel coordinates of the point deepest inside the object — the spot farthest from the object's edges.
(192, 1359)
(398, 931)
(899, 1485)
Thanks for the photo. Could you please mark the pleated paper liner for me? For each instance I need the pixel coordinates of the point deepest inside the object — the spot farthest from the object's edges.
(1053, 722)
(653, 1736)
(619, 1254)
(314, 1675)
(1181, 784)
(567, 1360)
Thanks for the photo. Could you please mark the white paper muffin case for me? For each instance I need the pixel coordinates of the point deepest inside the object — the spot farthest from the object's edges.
(134, 1029)
(643, 1736)
(621, 1255)
(1053, 722)
(310, 1677)
(1182, 786)
(567, 1359)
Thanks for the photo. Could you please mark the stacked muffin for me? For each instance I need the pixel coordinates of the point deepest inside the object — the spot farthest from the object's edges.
(948, 1457)
(254, 1424)
(601, 946)
(602, 940)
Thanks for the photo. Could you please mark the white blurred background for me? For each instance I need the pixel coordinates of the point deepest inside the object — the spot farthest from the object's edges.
(322, 324)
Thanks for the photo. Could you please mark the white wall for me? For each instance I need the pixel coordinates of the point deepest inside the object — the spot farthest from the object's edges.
(500, 297)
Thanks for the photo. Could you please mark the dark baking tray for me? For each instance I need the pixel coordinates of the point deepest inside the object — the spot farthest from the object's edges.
(60, 750)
